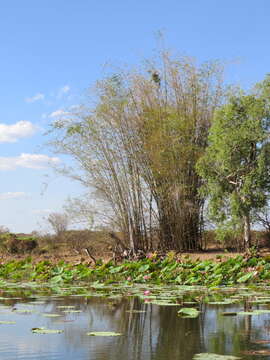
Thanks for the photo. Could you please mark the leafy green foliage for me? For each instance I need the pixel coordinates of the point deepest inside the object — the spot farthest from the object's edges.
(43, 330)
(157, 271)
(209, 356)
(236, 165)
(189, 312)
(103, 333)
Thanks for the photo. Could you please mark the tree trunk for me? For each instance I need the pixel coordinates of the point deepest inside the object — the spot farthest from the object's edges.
(247, 233)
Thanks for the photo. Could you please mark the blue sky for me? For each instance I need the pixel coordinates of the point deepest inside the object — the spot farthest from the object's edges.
(52, 51)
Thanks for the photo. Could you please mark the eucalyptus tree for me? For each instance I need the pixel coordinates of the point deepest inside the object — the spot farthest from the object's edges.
(236, 164)
(138, 145)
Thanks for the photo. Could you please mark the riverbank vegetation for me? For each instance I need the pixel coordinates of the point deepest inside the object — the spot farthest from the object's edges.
(153, 269)
(167, 152)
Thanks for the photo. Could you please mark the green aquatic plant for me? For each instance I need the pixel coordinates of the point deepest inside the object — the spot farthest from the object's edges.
(189, 312)
(209, 356)
(103, 333)
(230, 271)
(43, 330)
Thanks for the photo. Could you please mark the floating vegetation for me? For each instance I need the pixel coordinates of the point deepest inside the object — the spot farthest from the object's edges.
(189, 312)
(254, 312)
(51, 315)
(209, 356)
(43, 330)
(103, 333)
(23, 311)
(66, 307)
(180, 302)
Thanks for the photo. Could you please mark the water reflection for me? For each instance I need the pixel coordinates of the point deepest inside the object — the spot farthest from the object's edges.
(150, 332)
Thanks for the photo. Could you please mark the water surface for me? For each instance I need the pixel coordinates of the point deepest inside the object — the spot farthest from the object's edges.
(149, 331)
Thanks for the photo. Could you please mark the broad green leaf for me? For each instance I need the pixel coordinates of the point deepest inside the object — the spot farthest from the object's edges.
(103, 333)
(245, 277)
(51, 315)
(189, 312)
(209, 356)
(42, 330)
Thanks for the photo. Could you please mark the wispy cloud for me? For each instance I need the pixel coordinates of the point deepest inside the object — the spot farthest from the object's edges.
(13, 195)
(58, 113)
(14, 132)
(29, 161)
(37, 97)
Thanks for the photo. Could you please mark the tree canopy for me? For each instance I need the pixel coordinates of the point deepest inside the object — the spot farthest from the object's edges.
(236, 163)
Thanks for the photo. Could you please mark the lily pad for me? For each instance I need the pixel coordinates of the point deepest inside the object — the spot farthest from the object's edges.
(42, 330)
(189, 312)
(24, 311)
(51, 315)
(7, 322)
(209, 356)
(66, 307)
(254, 312)
(103, 333)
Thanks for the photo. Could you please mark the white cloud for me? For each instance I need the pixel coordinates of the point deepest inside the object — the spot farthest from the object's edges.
(13, 195)
(75, 107)
(38, 96)
(58, 113)
(11, 133)
(29, 161)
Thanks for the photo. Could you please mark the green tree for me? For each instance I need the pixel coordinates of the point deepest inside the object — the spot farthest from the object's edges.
(236, 164)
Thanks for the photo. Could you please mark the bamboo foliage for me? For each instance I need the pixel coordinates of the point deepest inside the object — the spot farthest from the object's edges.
(138, 147)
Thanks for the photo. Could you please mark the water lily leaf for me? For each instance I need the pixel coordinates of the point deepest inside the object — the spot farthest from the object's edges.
(227, 302)
(51, 315)
(254, 312)
(209, 356)
(163, 303)
(24, 311)
(189, 312)
(66, 307)
(70, 311)
(246, 277)
(37, 303)
(42, 330)
(103, 333)
(7, 322)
